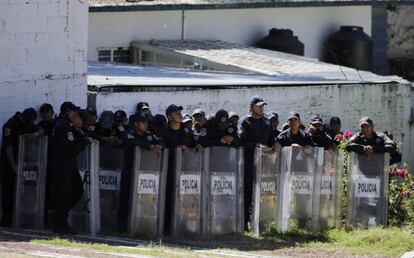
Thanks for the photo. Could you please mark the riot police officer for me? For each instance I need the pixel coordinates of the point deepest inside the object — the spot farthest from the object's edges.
(176, 135)
(137, 136)
(219, 132)
(254, 131)
(294, 136)
(318, 135)
(68, 140)
(19, 124)
(368, 141)
(47, 123)
(274, 121)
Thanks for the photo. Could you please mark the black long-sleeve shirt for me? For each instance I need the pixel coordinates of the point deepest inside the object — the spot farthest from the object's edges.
(380, 143)
(253, 132)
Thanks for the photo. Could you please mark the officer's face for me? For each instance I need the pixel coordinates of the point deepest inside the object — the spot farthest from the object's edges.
(75, 119)
(275, 122)
(141, 126)
(175, 117)
(257, 110)
(234, 120)
(367, 130)
(199, 118)
(294, 123)
(336, 128)
(47, 115)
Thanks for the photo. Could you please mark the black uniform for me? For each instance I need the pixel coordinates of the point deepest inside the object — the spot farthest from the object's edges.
(287, 138)
(131, 140)
(12, 129)
(67, 143)
(321, 139)
(380, 143)
(252, 132)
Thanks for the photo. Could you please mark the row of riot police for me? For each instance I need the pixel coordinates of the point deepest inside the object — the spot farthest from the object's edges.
(74, 128)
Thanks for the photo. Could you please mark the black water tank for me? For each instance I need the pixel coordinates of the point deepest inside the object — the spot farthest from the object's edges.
(282, 40)
(351, 47)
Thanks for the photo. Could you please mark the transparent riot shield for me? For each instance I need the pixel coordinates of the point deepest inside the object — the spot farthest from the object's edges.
(187, 192)
(29, 206)
(110, 167)
(330, 191)
(85, 216)
(266, 201)
(367, 190)
(301, 170)
(146, 217)
(223, 194)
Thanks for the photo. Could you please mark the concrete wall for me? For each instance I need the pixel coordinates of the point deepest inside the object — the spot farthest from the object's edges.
(42, 53)
(246, 26)
(388, 104)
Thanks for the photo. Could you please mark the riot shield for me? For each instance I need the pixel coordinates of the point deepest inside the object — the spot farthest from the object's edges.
(85, 216)
(146, 217)
(187, 193)
(367, 190)
(266, 201)
(330, 191)
(301, 170)
(223, 196)
(110, 167)
(29, 206)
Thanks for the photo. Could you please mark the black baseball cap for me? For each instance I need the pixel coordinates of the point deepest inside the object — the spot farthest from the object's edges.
(142, 105)
(68, 106)
(172, 108)
(159, 119)
(45, 107)
(257, 101)
(91, 111)
(316, 120)
(222, 118)
(271, 115)
(106, 119)
(138, 118)
(30, 114)
(365, 120)
(293, 115)
(120, 115)
(335, 120)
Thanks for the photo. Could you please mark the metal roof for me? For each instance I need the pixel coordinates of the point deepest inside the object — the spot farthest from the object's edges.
(111, 75)
(248, 59)
(153, 5)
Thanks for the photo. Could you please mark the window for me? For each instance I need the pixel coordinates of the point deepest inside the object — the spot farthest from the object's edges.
(116, 55)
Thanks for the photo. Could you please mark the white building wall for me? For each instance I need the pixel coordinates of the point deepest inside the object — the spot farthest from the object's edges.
(43, 47)
(388, 105)
(245, 26)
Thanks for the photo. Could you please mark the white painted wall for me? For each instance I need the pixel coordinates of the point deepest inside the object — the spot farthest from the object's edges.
(43, 47)
(388, 105)
(245, 26)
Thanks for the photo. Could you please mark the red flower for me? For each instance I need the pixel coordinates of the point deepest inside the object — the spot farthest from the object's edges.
(347, 134)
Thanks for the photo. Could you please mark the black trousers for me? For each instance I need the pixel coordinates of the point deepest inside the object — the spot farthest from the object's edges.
(124, 198)
(249, 182)
(8, 181)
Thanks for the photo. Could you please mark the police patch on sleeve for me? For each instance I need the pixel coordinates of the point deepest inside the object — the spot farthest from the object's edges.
(7, 131)
(91, 128)
(186, 130)
(230, 130)
(203, 132)
(121, 129)
(378, 140)
(149, 138)
(70, 136)
(130, 136)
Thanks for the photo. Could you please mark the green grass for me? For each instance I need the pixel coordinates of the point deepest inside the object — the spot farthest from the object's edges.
(390, 242)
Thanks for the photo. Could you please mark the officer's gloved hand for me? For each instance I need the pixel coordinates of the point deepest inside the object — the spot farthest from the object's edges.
(199, 148)
(184, 148)
(157, 148)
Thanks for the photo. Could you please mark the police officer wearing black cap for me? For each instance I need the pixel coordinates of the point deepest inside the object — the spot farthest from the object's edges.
(120, 125)
(143, 107)
(19, 124)
(219, 132)
(368, 141)
(137, 136)
(318, 135)
(159, 126)
(68, 140)
(254, 131)
(47, 123)
(294, 136)
(177, 135)
(334, 130)
(274, 121)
